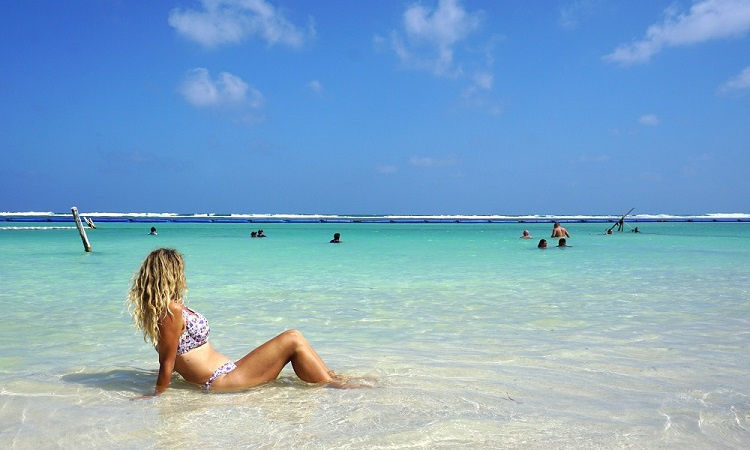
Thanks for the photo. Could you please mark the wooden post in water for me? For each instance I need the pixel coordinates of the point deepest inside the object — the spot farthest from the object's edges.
(621, 221)
(81, 231)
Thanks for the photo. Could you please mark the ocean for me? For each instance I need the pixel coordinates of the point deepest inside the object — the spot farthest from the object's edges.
(469, 336)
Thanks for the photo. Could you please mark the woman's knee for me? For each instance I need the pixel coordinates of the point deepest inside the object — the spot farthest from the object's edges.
(293, 338)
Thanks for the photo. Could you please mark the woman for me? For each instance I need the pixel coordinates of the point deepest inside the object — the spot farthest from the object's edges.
(180, 336)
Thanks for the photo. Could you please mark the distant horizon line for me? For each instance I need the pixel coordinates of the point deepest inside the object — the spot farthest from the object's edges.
(46, 216)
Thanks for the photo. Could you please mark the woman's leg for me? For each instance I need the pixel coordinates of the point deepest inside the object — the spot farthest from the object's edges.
(265, 363)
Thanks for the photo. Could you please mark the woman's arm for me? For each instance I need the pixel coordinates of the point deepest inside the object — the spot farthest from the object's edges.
(170, 330)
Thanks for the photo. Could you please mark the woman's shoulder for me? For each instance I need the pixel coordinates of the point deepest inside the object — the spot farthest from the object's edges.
(175, 309)
(172, 319)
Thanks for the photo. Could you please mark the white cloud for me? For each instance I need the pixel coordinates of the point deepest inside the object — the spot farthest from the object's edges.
(575, 11)
(129, 161)
(315, 86)
(706, 20)
(443, 39)
(429, 161)
(702, 158)
(739, 83)
(231, 21)
(386, 169)
(696, 163)
(473, 95)
(483, 80)
(226, 90)
(651, 177)
(432, 34)
(649, 119)
(567, 19)
(495, 110)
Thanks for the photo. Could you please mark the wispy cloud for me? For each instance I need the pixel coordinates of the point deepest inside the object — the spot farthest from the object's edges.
(443, 41)
(574, 12)
(130, 161)
(315, 86)
(706, 20)
(433, 162)
(429, 36)
(386, 169)
(695, 164)
(739, 83)
(601, 158)
(651, 177)
(472, 95)
(649, 119)
(221, 22)
(227, 90)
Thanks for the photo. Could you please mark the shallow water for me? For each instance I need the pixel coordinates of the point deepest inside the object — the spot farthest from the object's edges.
(476, 337)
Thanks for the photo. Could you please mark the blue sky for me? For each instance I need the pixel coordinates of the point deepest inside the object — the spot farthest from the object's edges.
(382, 107)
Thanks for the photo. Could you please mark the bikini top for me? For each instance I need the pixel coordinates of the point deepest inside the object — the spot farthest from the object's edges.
(196, 331)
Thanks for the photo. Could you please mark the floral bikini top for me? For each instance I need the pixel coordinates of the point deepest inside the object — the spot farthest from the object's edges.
(196, 331)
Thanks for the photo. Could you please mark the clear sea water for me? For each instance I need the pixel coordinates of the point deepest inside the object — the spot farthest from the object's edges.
(477, 339)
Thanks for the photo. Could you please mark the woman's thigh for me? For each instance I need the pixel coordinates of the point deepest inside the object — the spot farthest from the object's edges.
(257, 367)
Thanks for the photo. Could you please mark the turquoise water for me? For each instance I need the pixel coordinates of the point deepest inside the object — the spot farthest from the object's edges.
(476, 338)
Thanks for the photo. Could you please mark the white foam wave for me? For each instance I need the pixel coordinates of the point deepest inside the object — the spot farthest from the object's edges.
(41, 215)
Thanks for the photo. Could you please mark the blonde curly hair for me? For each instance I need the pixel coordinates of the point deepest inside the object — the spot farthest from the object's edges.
(160, 280)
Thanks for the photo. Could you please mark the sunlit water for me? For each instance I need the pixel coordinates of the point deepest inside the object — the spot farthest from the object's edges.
(475, 337)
